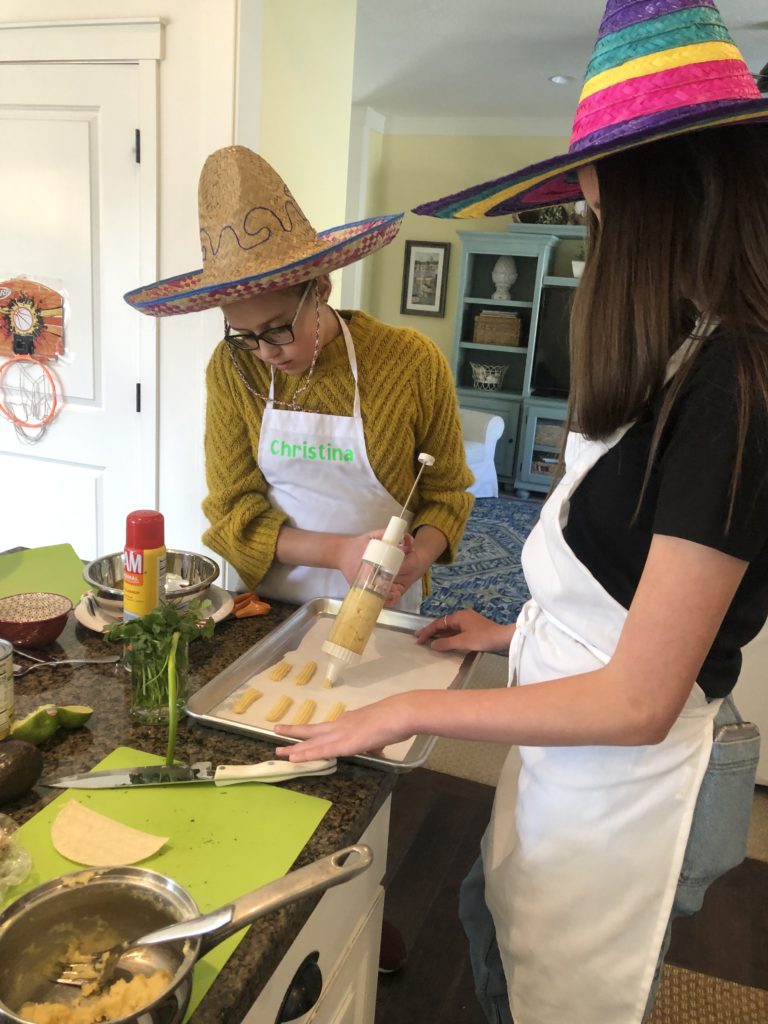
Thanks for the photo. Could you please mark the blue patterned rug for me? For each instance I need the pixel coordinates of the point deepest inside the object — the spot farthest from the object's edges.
(486, 575)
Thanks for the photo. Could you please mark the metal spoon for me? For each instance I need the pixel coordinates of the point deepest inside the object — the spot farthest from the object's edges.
(19, 671)
(32, 657)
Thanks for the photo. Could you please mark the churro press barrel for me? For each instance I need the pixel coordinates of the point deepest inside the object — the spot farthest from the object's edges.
(361, 607)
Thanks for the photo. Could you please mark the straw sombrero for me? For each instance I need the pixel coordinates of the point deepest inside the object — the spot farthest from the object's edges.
(659, 68)
(255, 238)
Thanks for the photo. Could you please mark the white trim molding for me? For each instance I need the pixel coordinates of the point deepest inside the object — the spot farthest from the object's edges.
(111, 40)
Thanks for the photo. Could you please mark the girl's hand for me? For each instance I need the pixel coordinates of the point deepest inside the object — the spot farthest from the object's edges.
(465, 630)
(413, 568)
(366, 730)
(351, 550)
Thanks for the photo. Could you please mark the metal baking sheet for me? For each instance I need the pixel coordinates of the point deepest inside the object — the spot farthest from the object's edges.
(205, 706)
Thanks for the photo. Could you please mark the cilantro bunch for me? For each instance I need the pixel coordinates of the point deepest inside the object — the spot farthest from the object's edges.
(156, 652)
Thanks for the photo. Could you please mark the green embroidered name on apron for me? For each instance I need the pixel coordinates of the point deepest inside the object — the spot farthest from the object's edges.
(311, 452)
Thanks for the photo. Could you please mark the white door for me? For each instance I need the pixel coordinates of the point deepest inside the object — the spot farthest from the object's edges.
(70, 186)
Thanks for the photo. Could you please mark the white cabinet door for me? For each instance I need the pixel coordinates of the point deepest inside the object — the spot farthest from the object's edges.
(350, 994)
(70, 190)
(751, 694)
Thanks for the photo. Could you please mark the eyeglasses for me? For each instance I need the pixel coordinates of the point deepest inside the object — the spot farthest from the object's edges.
(282, 334)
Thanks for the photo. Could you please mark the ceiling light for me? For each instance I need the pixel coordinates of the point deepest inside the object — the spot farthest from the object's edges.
(561, 79)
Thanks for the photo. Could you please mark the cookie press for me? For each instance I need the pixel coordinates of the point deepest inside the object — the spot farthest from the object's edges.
(369, 590)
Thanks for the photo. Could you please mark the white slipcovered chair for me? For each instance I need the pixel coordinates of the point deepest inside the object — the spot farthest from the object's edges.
(481, 432)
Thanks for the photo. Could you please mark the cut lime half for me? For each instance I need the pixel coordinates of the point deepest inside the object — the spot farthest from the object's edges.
(72, 716)
(38, 726)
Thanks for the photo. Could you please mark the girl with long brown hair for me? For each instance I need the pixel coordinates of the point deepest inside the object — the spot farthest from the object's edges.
(648, 568)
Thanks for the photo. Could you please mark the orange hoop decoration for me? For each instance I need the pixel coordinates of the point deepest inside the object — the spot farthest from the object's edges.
(16, 420)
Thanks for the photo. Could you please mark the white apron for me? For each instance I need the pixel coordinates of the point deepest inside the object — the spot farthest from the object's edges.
(317, 471)
(585, 844)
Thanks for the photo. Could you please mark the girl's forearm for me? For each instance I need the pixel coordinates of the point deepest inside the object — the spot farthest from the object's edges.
(574, 711)
(309, 547)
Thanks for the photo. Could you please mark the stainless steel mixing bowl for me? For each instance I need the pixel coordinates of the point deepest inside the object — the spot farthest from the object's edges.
(188, 575)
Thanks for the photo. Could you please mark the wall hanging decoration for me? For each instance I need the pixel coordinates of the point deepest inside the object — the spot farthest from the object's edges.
(425, 273)
(31, 339)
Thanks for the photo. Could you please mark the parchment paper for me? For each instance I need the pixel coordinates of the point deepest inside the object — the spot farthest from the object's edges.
(392, 663)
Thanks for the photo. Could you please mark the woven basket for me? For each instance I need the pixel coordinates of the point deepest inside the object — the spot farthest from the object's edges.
(497, 329)
(549, 434)
(486, 377)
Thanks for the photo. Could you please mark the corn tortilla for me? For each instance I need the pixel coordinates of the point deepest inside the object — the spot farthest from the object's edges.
(87, 837)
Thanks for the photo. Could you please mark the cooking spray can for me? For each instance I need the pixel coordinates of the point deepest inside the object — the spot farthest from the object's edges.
(144, 563)
(6, 688)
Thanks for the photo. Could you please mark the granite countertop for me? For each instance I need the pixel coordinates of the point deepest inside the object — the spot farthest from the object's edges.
(355, 791)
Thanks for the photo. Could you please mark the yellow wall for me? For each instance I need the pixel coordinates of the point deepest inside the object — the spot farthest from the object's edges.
(412, 169)
(308, 54)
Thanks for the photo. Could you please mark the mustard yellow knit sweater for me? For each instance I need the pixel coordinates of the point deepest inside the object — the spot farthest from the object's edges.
(408, 405)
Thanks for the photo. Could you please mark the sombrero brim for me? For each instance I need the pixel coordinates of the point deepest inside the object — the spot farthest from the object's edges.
(343, 245)
(550, 182)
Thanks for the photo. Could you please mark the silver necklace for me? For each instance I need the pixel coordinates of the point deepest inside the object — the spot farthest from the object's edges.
(293, 405)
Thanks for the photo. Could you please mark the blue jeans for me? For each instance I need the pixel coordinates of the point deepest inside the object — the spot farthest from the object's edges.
(716, 844)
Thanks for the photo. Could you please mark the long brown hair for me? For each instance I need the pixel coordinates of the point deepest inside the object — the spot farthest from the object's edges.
(684, 227)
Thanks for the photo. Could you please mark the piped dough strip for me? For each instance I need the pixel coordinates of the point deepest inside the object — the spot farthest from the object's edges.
(304, 712)
(336, 711)
(245, 700)
(280, 670)
(306, 673)
(279, 708)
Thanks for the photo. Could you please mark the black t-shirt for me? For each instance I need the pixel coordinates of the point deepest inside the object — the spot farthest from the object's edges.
(687, 496)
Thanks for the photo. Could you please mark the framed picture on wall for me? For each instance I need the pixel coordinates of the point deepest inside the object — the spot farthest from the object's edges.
(425, 272)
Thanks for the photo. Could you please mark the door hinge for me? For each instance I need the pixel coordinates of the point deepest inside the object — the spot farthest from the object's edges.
(137, 145)
(138, 398)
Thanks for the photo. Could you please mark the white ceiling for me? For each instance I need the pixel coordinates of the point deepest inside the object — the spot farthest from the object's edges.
(493, 58)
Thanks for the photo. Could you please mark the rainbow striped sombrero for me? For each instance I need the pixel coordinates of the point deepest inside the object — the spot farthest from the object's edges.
(659, 68)
(255, 238)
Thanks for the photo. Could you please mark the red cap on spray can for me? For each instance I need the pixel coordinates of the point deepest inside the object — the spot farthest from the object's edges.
(144, 530)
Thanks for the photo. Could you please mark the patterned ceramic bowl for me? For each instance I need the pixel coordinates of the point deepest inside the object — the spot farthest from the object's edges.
(33, 619)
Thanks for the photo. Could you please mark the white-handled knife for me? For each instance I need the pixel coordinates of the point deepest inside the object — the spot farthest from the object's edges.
(202, 771)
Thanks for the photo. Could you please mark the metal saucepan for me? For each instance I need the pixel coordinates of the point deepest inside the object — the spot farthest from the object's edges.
(96, 907)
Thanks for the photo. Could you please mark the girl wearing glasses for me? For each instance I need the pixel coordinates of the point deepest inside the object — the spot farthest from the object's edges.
(315, 418)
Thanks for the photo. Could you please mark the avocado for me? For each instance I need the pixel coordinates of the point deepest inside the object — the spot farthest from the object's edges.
(21, 765)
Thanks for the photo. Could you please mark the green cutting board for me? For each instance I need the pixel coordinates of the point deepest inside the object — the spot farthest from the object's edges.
(223, 842)
(55, 568)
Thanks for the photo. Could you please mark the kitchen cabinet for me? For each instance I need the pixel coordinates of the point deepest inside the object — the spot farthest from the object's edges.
(541, 438)
(751, 697)
(342, 938)
(525, 378)
(341, 927)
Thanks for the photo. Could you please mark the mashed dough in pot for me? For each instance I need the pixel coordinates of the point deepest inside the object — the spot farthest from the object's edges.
(121, 999)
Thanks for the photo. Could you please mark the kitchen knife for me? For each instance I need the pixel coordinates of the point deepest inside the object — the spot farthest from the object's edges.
(201, 771)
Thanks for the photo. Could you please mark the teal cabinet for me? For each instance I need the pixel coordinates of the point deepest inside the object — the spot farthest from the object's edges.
(510, 352)
(541, 437)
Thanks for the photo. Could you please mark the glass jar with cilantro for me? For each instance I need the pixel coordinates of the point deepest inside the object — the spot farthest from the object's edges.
(157, 654)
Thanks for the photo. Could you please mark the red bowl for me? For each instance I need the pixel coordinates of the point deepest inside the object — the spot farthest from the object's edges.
(34, 619)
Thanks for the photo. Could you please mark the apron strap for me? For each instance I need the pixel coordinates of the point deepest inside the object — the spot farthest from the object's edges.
(352, 365)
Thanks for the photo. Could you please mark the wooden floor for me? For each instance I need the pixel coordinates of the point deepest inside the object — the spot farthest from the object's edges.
(436, 825)
(437, 822)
